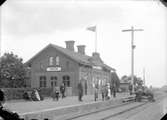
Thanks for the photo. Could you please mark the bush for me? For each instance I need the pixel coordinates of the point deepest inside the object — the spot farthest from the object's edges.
(17, 93)
(14, 93)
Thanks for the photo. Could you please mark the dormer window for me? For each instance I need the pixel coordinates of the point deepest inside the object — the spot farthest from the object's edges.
(51, 61)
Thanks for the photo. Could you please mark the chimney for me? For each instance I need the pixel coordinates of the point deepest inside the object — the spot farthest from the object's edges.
(96, 57)
(81, 49)
(70, 45)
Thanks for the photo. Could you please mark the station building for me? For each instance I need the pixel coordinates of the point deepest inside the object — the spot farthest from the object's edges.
(55, 65)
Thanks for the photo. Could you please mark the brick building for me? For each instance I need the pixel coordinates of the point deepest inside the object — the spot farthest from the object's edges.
(55, 65)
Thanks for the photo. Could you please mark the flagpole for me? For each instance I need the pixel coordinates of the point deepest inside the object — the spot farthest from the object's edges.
(96, 39)
(94, 29)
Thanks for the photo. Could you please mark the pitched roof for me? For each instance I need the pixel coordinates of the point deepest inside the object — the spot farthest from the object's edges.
(78, 57)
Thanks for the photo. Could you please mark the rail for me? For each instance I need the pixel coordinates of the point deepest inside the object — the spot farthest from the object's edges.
(126, 102)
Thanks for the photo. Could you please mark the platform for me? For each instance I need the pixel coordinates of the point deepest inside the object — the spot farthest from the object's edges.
(48, 107)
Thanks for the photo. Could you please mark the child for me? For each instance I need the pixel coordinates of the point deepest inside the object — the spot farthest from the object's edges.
(55, 94)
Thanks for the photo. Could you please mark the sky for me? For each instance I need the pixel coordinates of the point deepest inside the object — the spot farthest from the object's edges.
(27, 26)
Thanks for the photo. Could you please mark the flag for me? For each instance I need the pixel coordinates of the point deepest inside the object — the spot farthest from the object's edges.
(92, 28)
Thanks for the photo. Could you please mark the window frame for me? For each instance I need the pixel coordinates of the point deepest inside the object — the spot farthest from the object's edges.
(66, 80)
(57, 60)
(51, 61)
(54, 81)
(42, 81)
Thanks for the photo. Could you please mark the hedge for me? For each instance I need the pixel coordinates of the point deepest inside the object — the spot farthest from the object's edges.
(17, 93)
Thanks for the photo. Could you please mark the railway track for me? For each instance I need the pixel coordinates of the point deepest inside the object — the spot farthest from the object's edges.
(143, 109)
(123, 111)
(108, 112)
(74, 116)
(115, 111)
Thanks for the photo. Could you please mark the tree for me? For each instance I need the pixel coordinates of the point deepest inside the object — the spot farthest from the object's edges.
(12, 71)
(137, 80)
(125, 79)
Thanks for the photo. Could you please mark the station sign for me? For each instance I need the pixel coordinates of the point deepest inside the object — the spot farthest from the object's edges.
(97, 67)
(53, 69)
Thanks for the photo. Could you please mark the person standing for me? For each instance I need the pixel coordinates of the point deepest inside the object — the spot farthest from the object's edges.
(55, 94)
(37, 95)
(62, 90)
(106, 92)
(86, 87)
(130, 89)
(80, 91)
(103, 92)
(96, 92)
(40, 94)
(109, 91)
(114, 90)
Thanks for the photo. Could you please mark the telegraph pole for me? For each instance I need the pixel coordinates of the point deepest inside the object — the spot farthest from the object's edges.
(144, 82)
(132, 30)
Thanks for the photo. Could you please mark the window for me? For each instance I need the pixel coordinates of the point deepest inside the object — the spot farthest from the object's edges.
(42, 81)
(51, 61)
(67, 65)
(53, 81)
(66, 80)
(57, 60)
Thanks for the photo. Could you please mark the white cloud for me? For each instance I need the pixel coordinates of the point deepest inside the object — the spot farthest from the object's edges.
(27, 18)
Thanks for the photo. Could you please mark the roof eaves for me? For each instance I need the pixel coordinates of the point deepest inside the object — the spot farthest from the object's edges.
(108, 67)
(30, 60)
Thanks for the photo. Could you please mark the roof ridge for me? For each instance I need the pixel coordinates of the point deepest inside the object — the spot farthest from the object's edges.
(75, 52)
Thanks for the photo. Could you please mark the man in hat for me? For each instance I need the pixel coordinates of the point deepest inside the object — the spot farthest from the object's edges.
(80, 91)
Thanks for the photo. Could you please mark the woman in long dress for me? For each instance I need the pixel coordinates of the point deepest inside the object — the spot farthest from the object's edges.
(109, 91)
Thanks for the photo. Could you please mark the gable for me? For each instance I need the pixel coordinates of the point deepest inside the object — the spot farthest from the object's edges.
(74, 56)
(69, 54)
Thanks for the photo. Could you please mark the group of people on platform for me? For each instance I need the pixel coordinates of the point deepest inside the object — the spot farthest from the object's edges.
(33, 95)
(59, 91)
(106, 91)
